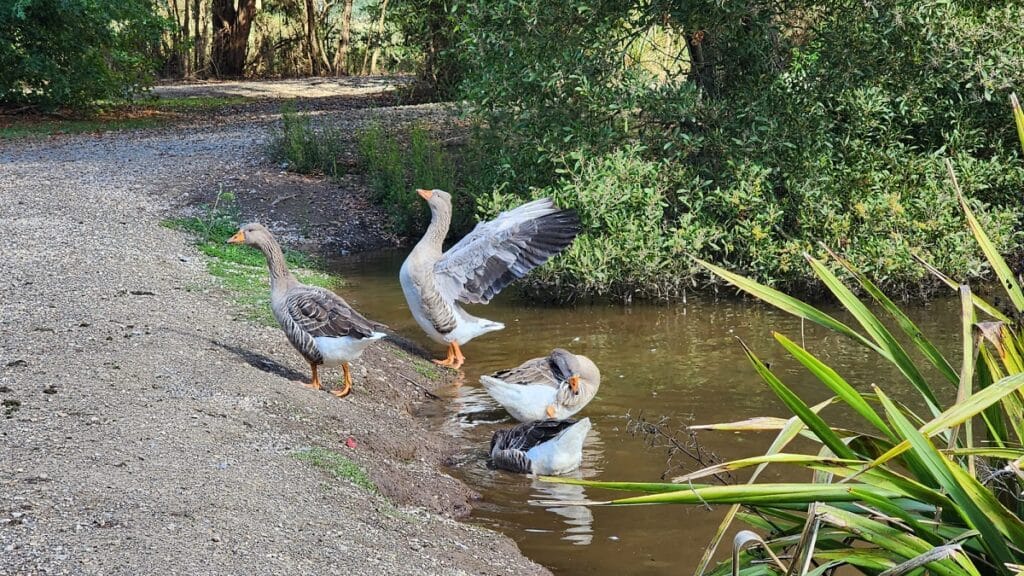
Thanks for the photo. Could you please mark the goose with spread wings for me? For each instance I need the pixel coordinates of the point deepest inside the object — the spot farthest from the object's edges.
(473, 271)
(547, 447)
(319, 324)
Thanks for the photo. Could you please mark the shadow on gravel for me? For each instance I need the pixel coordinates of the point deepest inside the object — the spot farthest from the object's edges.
(261, 362)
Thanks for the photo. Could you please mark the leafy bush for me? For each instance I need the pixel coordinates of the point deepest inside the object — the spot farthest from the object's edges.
(773, 126)
(395, 169)
(304, 149)
(936, 487)
(72, 53)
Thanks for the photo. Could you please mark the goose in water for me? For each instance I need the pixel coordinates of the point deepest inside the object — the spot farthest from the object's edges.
(317, 322)
(475, 269)
(545, 447)
(555, 386)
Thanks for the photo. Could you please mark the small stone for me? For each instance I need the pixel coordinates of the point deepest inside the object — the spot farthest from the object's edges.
(215, 538)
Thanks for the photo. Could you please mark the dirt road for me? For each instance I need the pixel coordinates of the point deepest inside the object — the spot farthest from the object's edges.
(145, 429)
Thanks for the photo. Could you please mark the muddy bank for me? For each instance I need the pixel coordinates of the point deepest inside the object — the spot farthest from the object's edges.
(147, 428)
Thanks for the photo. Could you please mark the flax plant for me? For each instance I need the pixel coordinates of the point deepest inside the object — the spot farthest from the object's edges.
(935, 490)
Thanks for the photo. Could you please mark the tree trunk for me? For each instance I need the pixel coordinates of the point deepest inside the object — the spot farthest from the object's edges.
(231, 36)
(313, 64)
(702, 67)
(344, 41)
(379, 39)
(186, 56)
(200, 44)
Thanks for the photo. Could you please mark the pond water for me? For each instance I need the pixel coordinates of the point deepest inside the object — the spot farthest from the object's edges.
(682, 361)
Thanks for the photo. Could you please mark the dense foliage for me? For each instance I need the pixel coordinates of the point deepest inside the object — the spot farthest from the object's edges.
(57, 53)
(930, 481)
(746, 131)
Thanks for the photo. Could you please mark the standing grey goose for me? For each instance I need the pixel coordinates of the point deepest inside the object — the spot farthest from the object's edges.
(317, 322)
(475, 269)
(544, 447)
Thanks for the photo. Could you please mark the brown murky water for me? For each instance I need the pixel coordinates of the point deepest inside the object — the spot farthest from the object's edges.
(682, 361)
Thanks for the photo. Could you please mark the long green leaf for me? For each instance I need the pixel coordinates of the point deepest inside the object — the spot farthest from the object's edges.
(959, 413)
(909, 328)
(968, 359)
(1018, 118)
(979, 302)
(941, 469)
(759, 494)
(650, 487)
(781, 458)
(800, 408)
(995, 259)
(887, 345)
(785, 302)
(837, 384)
(789, 431)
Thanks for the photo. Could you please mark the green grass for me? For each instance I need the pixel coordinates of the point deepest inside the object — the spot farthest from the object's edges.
(338, 465)
(305, 150)
(114, 117)
(425, 369)
(23, 128)
(242, 270)
(422, 367)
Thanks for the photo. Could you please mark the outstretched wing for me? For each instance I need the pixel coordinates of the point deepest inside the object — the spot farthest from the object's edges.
(321, 312)
(501, 250)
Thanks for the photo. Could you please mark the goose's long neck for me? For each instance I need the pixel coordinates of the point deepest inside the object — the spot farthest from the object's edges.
(280, 277)
(433, 238)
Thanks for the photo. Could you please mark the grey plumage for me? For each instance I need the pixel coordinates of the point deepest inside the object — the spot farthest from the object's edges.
(305, 312)
(475, 269)
(502, 250)
(509, 447)
(308, 312)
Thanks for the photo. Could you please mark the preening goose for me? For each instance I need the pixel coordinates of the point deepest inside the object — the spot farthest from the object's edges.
(545, 447)
(474, 270)
(555, 386)
(317, 322)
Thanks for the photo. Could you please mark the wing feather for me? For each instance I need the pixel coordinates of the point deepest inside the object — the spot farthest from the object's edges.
(320, 312)
(499, 251)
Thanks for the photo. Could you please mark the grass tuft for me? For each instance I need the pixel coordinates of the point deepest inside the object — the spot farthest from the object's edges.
(305, 150)
(242, 270)
(338, 465)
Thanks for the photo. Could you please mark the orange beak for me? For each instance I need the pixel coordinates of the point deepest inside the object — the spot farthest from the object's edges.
(426, 194)
(238, 238)
(574, 383)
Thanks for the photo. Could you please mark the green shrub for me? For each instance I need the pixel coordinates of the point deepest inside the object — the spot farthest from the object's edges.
(805, 122)
(396, 169)
(304, 149)
(72, 53)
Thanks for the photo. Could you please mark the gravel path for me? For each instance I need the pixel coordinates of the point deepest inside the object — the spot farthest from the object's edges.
(146, 430)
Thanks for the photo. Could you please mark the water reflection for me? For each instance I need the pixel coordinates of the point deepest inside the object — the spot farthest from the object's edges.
(579, 519)
(679, 361)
